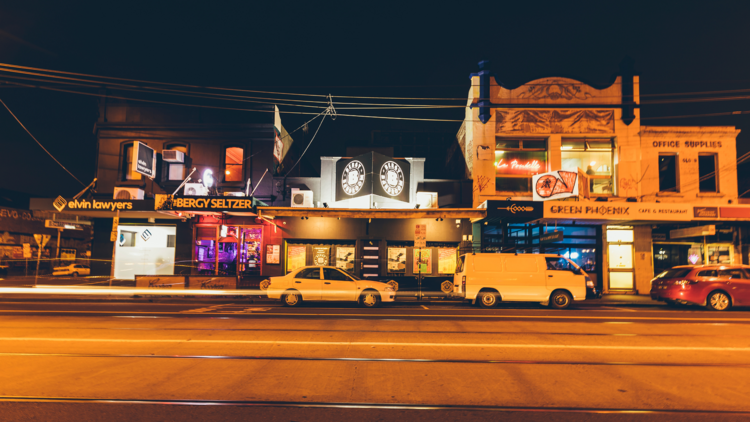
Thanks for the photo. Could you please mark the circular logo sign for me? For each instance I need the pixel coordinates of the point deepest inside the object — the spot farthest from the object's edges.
(353, 177)
(392, 178)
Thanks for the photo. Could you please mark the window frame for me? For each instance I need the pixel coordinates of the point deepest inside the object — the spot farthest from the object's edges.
(587, 148)
(676, 156)
(521, 149)
(715, 172)
(224, 163)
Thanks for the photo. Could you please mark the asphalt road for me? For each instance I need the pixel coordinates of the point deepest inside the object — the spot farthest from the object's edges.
(237, 360)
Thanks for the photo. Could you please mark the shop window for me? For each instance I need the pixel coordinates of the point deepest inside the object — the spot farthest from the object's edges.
(707, 172)
(594, 156)
(233, 160)
(668, 173)
(127, 163)
(176, 171)
(516, 161)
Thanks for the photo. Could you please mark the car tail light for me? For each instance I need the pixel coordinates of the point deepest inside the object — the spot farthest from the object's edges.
(463, 284)
(684, 282)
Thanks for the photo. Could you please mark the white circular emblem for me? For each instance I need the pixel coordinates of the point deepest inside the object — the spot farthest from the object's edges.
(392, 178)
(353, 177)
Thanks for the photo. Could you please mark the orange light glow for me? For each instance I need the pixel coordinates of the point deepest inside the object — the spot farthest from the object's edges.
(227, 171)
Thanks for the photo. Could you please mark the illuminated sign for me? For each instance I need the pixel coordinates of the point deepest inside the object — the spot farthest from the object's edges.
(200, 203)
(144, 160)
(353, 177)
(392, 178)
(520, 162)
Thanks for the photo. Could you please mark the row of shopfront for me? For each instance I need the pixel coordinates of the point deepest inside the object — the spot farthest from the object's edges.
(622, 245)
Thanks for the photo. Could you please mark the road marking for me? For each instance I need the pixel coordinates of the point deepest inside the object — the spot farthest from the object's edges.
(619, 309)
(378, 343)
(425, 307)
(206, 309)
(12, 311)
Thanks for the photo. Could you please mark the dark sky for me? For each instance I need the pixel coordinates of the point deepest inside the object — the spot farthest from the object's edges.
(400, 49)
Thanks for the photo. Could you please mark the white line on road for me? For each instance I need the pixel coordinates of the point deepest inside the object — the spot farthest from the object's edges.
(370, 343)
(425, 307)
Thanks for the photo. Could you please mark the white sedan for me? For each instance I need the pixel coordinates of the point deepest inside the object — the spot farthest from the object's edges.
(73, 270)
(329, 284)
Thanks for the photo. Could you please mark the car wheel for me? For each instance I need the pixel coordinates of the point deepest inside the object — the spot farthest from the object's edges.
(487, 299)
(369, 299)
(718, 301)
(75, 274)
(291, 299)
(560, 300)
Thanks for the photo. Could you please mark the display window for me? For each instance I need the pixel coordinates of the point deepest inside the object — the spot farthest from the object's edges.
(144, 250)
(228, 250)
(516, 161)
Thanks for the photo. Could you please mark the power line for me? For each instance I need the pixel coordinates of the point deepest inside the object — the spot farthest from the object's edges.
(39, 143)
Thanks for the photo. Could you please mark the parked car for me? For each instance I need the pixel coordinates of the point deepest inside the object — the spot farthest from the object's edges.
(328, 284)
(717, 287)
(72, 270)
(489, 278)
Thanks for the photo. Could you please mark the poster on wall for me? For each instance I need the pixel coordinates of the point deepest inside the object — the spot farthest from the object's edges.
(321, 254)
(555, 185)
(273, 254)
(423, 261)
(296, 257)
(446, 261)
(396, 260)
(345, 258)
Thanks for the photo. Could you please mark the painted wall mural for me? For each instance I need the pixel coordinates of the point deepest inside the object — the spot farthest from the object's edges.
(555, 121)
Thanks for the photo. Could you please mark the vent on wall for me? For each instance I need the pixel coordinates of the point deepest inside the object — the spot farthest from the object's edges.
(129, 193)
(302, 198)
(173, 156)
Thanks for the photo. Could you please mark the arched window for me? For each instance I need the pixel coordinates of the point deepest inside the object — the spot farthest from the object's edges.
(176, 171)
(234, 158)
(127, 163)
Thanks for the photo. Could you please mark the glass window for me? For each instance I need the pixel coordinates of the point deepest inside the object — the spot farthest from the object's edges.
(707, 172)
(620, 256)
(177, 170)
(233, 160)
(592, 156)
(734, 274)
(560, 264)
(127, 163)
(309, 273)
(516, 162)
(675, 273)
(333, 274)
(621, 280)
(461, 260)
(619, 236)
(668, 173)
(706, 273)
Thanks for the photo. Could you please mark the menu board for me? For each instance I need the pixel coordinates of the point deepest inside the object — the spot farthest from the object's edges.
(320, 255)
(446, 261)
(273, 254)
(296, 257)
(396, 260)
(345, 258)
(422, 261)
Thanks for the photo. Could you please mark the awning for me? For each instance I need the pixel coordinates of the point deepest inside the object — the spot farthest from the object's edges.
(457, 213)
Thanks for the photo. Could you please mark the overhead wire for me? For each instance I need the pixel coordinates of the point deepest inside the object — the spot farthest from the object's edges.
(39, 143)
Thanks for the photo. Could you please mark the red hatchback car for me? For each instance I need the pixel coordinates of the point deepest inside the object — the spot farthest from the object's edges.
(717, 287)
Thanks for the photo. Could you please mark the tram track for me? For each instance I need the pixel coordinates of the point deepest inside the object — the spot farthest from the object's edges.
(366, 405)
(385, 360)
(295, 330)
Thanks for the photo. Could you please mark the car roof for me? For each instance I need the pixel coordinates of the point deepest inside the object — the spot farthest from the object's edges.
(713, 266)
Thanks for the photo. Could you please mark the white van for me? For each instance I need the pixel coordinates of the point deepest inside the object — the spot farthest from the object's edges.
(489, 278)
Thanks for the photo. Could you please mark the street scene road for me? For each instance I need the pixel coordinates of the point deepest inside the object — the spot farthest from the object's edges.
(127, 360)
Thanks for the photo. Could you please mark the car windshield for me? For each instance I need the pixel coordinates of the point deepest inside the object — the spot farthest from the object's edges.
(562, 264)
(675, 273)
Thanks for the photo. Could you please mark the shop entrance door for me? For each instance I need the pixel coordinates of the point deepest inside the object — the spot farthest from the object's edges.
(370, 258)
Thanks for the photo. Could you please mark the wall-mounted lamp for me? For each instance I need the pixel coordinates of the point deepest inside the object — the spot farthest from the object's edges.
(325, 205)
(416, 207)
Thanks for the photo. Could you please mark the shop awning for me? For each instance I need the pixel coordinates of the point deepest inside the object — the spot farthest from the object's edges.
(471, 213)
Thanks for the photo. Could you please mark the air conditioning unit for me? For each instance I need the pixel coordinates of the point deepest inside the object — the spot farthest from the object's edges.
(173, 156)
(234, 193)
(195, 189)
(129, 193)
(302, 198)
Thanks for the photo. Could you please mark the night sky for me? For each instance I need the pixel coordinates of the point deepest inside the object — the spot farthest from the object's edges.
(403, 49)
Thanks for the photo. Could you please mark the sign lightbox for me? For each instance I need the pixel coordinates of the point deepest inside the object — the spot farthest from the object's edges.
(144, 159)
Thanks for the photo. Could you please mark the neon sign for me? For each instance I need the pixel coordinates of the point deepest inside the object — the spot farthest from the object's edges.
(521, 163)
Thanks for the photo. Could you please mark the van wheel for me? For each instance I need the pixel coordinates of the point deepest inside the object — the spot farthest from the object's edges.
(487, 299)
(291, 298)
(560, 300)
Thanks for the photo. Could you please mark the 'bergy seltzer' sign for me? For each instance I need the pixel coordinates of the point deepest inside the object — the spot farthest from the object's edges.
(618, 211)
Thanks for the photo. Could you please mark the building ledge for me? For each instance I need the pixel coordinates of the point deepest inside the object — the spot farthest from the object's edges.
(710, 195)
(670, 194)
(472, 213)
